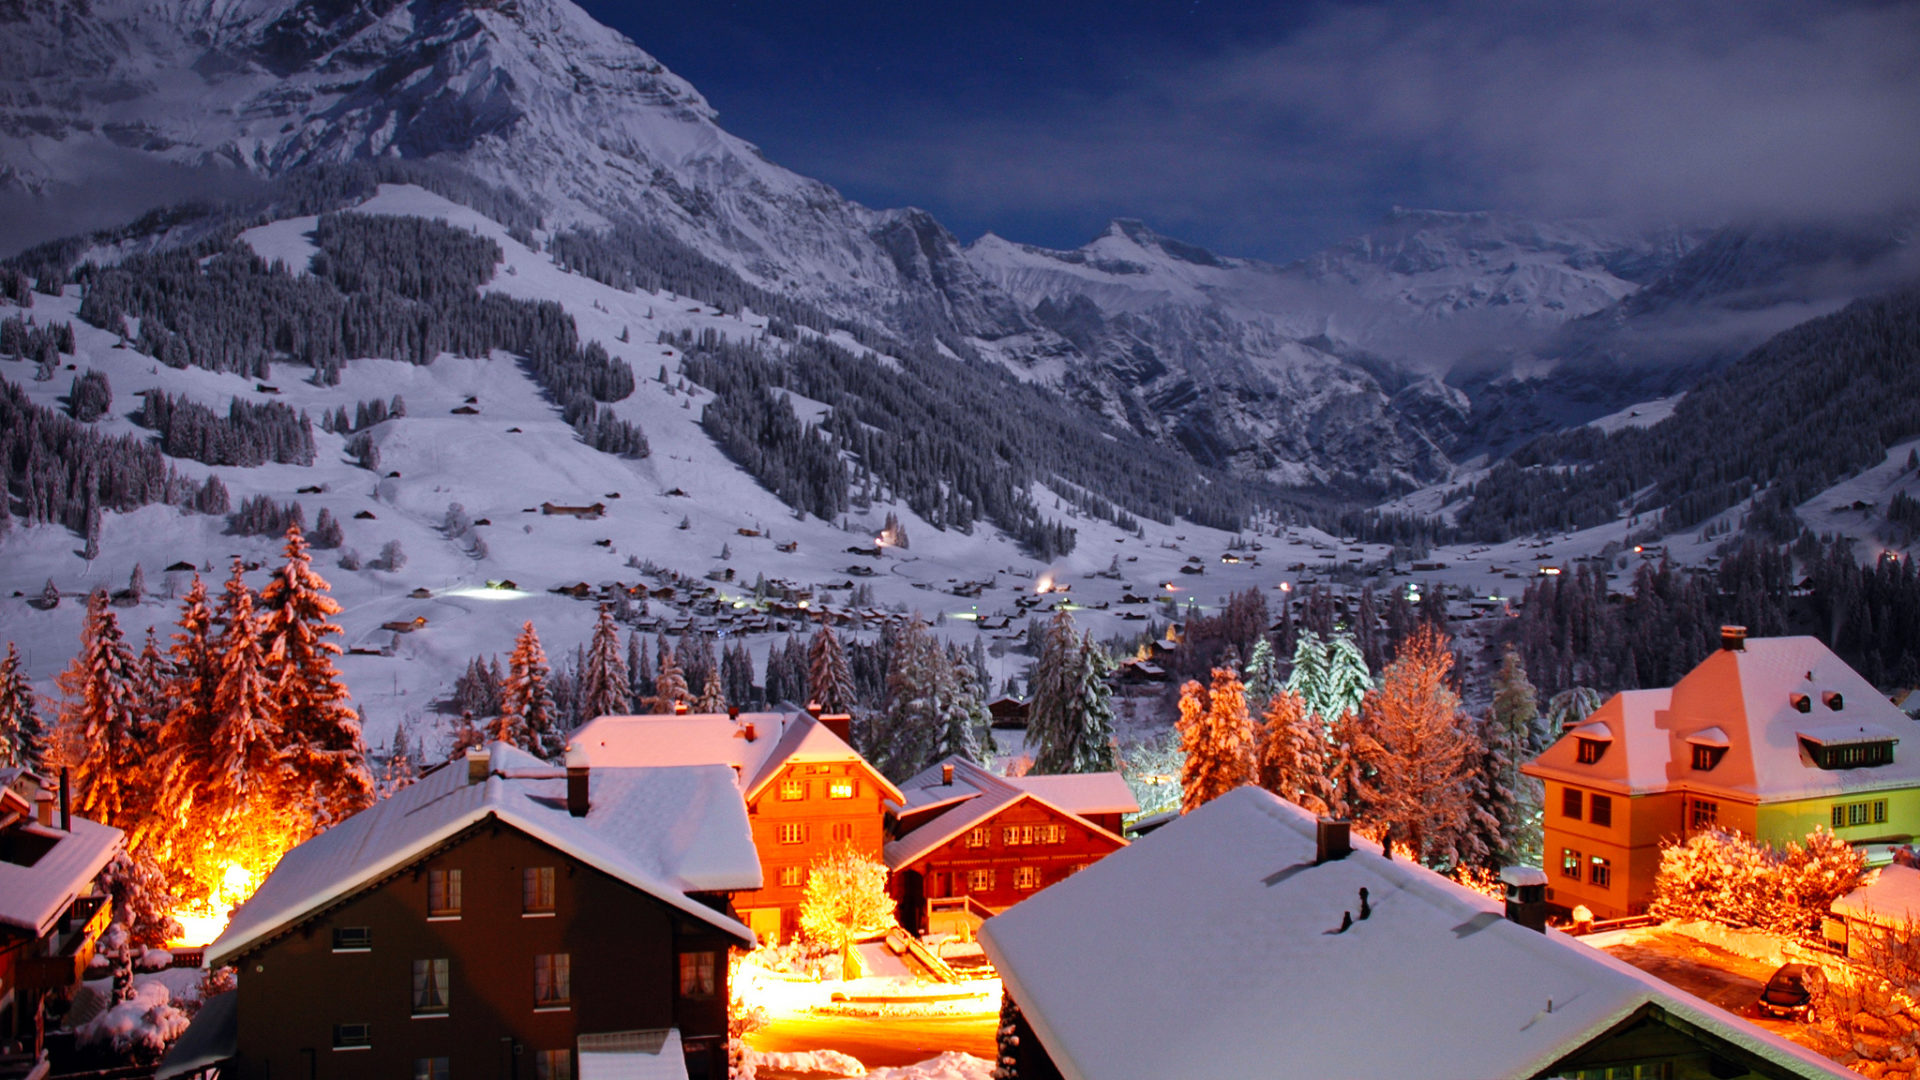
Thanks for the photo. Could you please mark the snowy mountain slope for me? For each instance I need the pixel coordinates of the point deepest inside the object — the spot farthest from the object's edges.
(502, 475)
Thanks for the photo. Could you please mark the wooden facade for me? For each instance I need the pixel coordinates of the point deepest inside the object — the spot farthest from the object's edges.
(999, 859)
(801, 813)
(418, 972)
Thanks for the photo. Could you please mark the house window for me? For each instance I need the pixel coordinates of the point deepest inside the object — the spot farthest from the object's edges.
(979, 837)
(435, 1068)
(356, 1036)
(793, 790)
(536, 890)
(793, 877)
(980, 880)
(1703, 814)
(1853, 755)
(1010, 836)
(1706, 757)
(553, 1065)
(1026, 877)
(1600, 811)
(1059, 834)
(1570, 863)
(430, 987)
(552, 980)
(697, 975)
(1600, 872)
(352, 939)
(1860, 813)
(1589, 750)
(1570, 803)
(1651, 1070)
(443, 894)
(840, 789)
(793, 833)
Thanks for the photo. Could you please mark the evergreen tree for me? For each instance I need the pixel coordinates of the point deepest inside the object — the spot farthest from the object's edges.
(1568, 708)
(966, 727)
(605, 689)
(1052, 727)
(22, 736)
(50, 595)
(1292, 760)
(185, 752)
(402, 767)
(1417, 757)
(248, 769)
(713, 696)
(639, 670)
(670, 685)
(1216, 735)
(466, 736)
(1514, 736)
(137, 584)
(101, 718)
(829, 679)
(527, 710)
(1263, 675)
(324, 746)
(906, 737)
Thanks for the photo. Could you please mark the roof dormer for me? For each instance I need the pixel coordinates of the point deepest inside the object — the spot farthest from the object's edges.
(1848, 746)
(1590, 742)
(1709, 746)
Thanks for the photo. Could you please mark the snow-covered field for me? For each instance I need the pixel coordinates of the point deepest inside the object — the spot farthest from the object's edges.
(514, 454)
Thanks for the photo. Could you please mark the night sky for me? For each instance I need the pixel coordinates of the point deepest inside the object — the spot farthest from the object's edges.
(1272, 129)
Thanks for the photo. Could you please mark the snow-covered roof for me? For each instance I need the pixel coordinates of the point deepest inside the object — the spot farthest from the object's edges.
(1082, 793)
(1211, 950)
(718, 739)
(633, 1055)
(980, 795)
(667, 831)
(32, 897)
(1893, 896)
(213, 1037)
(1751, 698)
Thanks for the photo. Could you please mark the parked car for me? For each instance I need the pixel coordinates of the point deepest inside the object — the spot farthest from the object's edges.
(1789, 991)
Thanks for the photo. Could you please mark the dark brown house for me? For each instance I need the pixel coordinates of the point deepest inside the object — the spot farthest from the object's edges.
(968, 844)
(501, 917)
(52, 908)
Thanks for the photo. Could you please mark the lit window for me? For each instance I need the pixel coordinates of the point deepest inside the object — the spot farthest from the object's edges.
(696, 975)
(1570, 803)
(1589, 750)
(443, 894)
(552, 980)
(1703, 814)
(553, 1065)
(429, 987)
(1010, 836)
(979, 837)
(1600, 872)
(979, 880)
(793, 790)
(1570, 863)
(536, 890)
(352, 939)
(1600, 810)
(436, 1068)
(1026, 877)
(840, 789)
(357, 1036)
(793, 833)
(793, 876)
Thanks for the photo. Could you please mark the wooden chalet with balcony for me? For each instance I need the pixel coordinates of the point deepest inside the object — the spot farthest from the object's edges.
(806, 791)
(52, 906)
(967, 844)
(500, 917)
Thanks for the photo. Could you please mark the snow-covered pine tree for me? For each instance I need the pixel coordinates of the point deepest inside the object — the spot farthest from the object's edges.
(1217, 737)
(1569, 707)
(829, 678)
(1514, 735)
(966, 728)
(1263, 675)
(1309, 674)
(639, 670)
(713, 696)
(401, 769)
(325, 749)
(904, 740)
(50, 595)
(249, 770)
(22, 735)
(1092, 710)
(1292, 758)
(101, 717)
(670, 685)
(1417, 758)
(466, 736)
(1052, 726)
(527, 714)
(1347, 679)
(605, 689)
(184, 750)
(137, 584)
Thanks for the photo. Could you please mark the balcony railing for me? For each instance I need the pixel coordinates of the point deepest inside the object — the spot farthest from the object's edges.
(70, 945)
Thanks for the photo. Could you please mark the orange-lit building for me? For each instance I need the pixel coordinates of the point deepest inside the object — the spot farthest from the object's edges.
(1770, 737)
(807, 791)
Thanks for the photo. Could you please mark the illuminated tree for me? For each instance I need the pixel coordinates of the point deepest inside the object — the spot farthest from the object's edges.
(101, 717)
(605, 690)
(246, 736)
(325, 749)
(846, 900)
(1416, 755)
(1292, 760)
(1217, 737)
(528, 718)
(185, 751)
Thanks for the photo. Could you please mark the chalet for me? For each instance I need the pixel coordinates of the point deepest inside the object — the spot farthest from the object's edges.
(1008, 712)
(499, 916)
(967, 844)
(1879, 914)
(585, 513)
(807, 792)
(52, 905)
(1248, 939)
(1770, 737)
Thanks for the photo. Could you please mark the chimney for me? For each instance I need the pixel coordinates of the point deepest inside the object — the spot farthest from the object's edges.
(814, 709)
(1335, 840)
(1733, 638)
(577, 801)
(733, 712)
(66, 800)
(841, 724)
(43, 807)
(946, 774)
(477, 765)
(1526, 891)
(679, 708)
(749, 731)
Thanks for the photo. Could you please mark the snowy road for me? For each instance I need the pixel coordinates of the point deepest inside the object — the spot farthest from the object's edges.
(880, 1042)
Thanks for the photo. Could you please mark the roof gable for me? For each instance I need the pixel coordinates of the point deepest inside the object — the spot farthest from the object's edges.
(981, 796)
